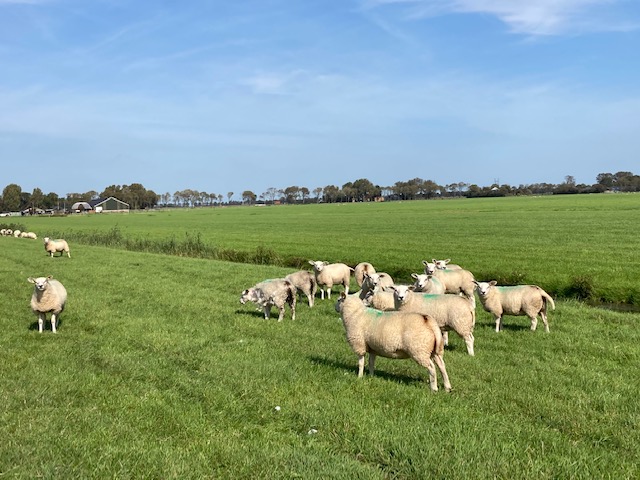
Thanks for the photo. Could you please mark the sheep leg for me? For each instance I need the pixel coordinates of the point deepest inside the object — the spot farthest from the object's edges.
(433, 379)
(543, 315)
(498, 323)
(40, 321)
(53, 322)
(534, 322)
(360, 365)
(267, 311)
(281, 314)
(372, 363)
(445, 337)
(439, 360)
(469, 339)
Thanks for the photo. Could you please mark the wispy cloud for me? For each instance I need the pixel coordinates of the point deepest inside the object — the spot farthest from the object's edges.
(531, 17)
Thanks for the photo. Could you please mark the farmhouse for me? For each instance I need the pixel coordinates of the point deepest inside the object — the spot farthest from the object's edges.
(111, 204)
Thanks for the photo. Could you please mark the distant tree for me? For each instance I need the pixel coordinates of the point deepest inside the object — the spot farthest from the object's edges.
(248, 197)
(229, 195)
(304, 194)
(37, 199)
(330, 193)
(317, 192)
(291, 194)
(605, 179)
(271, 194)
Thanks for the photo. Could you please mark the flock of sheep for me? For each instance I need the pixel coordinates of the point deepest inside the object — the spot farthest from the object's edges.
(403, 321)
(382, 318)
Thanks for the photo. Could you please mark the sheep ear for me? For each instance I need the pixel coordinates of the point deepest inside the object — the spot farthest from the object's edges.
(433, 260)
(49, 277)
(425, 263)
(414, 276)
(31, 280)
(447, 260)
(343, 295)
(493, 283)
(311, 262)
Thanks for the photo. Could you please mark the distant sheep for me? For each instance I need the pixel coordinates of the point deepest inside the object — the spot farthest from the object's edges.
(427, 284)
(529, 300)
(53, 246)
(276, 292)
(305, 282)
(330, 274)
(451, 312)
(16, 233)
(393, 335)
(49, 296)
(362, 269)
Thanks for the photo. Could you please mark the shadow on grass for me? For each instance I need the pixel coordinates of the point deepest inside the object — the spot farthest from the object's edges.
(46, 326)
(353, 369)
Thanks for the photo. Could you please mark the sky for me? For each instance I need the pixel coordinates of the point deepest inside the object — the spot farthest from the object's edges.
(225, 96)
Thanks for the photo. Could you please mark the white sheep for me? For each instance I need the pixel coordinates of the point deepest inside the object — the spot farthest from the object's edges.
(31, 235)
(60, 245)
(330, 274)
(427, 284)
(393, 335)
(273, 292)
(380, 300)
(451, 312)
(444, 264)
(49, 296)
(362, 269)
(454, 281)
(305, 282)
(529, 300)
(374, 282)
(16, 233)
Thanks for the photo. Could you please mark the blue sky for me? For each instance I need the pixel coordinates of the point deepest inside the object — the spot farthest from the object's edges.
(221, 96)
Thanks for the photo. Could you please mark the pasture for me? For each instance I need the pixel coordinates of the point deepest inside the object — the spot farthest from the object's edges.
(157, 371)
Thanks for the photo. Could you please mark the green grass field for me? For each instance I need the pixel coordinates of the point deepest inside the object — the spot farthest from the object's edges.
(157, 371)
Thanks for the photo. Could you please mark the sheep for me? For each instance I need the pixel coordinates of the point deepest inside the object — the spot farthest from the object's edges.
(380, 300)
(16, 233)
(273, 292)
(49, 295)
(31, 235)
(529, 300)
(444, 264)
(330, 274)
(451, 312)
(375, 282)
(52, 246)
(305, 283)
(362, 269)
(392, 335)
(427, 284)
(454, 281)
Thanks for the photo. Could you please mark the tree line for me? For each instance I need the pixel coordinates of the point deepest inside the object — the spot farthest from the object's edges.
(362, 190)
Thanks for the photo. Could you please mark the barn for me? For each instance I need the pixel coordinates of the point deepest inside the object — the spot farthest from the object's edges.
(111, 204)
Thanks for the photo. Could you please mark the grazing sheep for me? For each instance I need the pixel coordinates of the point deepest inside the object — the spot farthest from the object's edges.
(444, 264)
(49, 296)
(330, 274)
(273, 292)
(454, 281)
(362, 269)
(392, 335)
(17, 233)
(31, 235)
(52, 246)
(451, 312)
(427, 284)
(305, 283)
(529, 300)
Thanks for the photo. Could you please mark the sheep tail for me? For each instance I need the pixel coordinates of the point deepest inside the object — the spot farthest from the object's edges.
(547, 299)
(437, 335)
